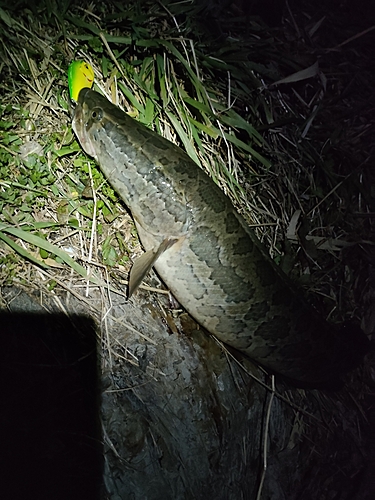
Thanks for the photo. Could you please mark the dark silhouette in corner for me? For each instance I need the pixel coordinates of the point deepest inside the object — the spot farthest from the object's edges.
(49, 415)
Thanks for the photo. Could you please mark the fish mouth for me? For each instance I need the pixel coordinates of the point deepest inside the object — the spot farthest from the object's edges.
(80, 125)
(82, 95)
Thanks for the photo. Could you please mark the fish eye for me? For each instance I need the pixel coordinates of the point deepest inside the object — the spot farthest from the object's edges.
(97, 114)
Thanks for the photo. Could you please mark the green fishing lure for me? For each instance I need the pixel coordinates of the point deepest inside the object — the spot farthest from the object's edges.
(80, 75)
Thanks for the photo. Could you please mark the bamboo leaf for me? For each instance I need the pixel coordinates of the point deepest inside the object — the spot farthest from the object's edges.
(22, 251)
(149, 114)
(234, 120)
(237, 142)
(211, 131)
(67, 150)
(45, 245)
(198, 105)
(300, 75)
(131, 98)
(82, 24)
(184, 138)
(122, 40)
(196, 138)
(180, 57)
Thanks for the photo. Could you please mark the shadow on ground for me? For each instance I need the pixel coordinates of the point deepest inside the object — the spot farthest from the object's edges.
(49, 418)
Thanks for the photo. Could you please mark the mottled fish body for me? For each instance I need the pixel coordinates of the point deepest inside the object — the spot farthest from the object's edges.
(204, 251)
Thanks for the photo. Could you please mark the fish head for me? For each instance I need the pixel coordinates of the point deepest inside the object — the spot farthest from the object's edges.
(92, 115)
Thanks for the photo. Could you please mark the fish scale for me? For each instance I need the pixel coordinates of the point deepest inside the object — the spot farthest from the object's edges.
(206, 254)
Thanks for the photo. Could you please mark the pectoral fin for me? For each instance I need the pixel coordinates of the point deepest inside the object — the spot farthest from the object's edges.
(143, 264)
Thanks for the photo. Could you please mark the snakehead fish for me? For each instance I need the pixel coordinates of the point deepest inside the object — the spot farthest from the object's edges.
(206, 254)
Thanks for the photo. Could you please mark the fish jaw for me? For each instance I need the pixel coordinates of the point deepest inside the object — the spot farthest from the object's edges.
(80, 125)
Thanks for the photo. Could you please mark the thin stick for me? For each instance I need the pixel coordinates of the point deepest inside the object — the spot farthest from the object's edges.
(111, 54)
(267, 387)
(93, 227)
(354, 37)
(265, 441)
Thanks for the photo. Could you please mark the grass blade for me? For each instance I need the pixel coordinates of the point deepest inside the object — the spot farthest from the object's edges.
(22, 251)
(48, 247)
(184, 138)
